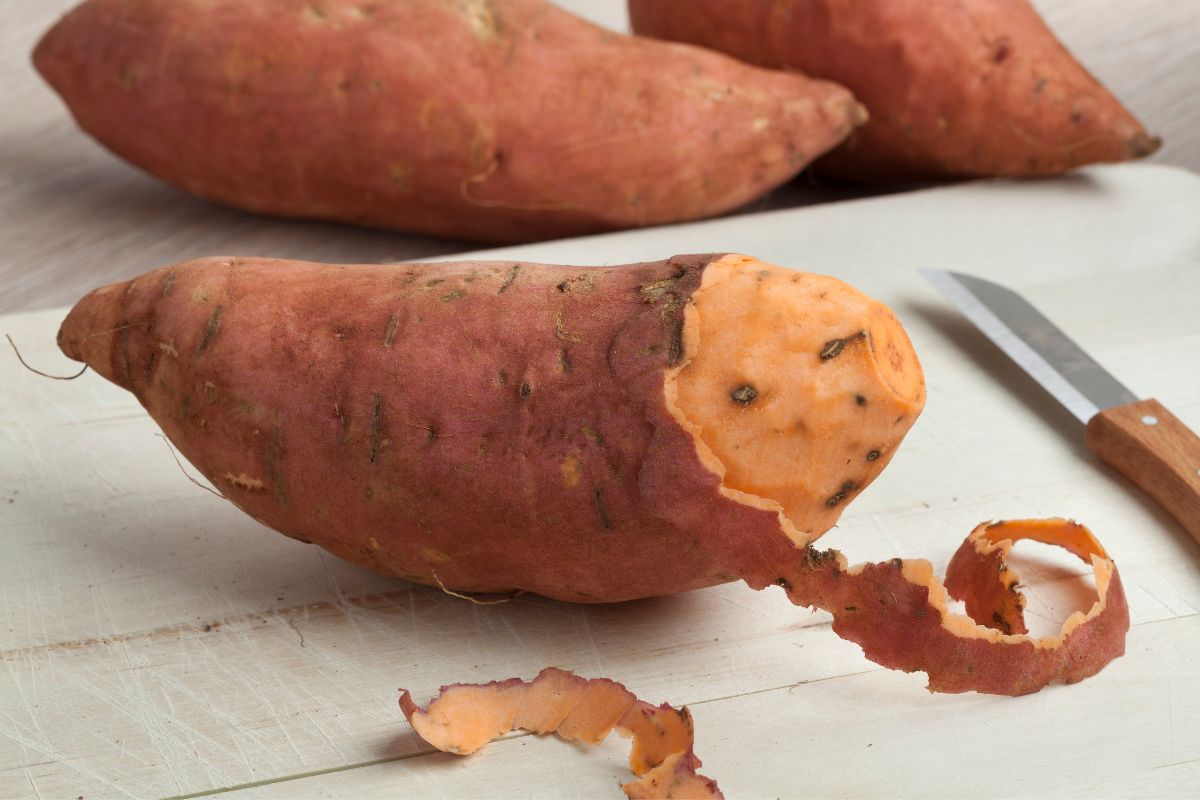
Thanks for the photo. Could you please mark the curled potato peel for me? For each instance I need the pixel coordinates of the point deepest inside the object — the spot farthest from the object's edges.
(465, 717)
(898, 611)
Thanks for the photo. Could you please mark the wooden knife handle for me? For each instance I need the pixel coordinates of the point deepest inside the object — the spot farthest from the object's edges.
(1153, 449)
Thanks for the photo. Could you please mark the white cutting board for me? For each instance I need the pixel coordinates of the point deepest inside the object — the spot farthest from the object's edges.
(156, 642)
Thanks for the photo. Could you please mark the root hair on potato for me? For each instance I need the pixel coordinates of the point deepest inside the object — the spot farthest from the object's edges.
(475, 600)
(13, 345)
(186, 474)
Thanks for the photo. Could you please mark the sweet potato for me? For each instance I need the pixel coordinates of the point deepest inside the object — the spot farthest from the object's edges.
(955, 88)
(497, 120)
(589, 434)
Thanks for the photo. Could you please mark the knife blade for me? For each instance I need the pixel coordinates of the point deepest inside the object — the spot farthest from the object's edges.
(1140, 439)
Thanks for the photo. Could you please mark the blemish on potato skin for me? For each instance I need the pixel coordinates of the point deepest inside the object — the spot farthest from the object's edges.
(560, 330)
(274, 448)
(389, 334)
(168, 284)
(847, 488)
(564, 361)
(601, 509)
(456, 293)
(1002, 49)
(675, 350)
(571, 471)
(127, 77)
(655, 291)
(525, 390)
(210, 330)
(872, 455)
(744, 394)
(860, 400)
(582, 282)
(508, 279)
(433, 554)
(168, 347)
(376, 426)
(832, 349)
(244, 481)
(482, 19)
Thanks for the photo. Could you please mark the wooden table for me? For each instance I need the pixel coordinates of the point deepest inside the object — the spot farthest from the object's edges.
(155, 642)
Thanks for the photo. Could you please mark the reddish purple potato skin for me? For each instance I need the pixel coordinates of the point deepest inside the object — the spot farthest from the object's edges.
(490, 120)
(415, 419)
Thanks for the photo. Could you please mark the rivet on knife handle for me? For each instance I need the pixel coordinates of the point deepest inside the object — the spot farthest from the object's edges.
(1149, 446)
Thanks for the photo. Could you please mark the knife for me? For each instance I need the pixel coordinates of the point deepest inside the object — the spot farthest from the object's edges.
(1140, 439)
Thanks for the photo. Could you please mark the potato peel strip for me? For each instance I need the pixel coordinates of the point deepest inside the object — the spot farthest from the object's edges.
(897, 612)
(465, 717)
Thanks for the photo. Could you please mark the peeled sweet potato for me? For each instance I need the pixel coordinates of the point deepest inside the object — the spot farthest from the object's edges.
(955, 88)
(497, 120)
(589, 434)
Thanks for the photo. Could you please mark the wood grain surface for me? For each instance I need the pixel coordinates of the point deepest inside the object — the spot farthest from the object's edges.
(154, 641)
(72, 216)
(1150, 446)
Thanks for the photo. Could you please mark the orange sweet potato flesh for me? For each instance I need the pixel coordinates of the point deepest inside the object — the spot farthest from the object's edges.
(955, 88)
(494, 120)
(500, 426)
(464, 718)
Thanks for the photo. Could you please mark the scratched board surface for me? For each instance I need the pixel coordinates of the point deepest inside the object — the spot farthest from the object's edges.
(156, 642)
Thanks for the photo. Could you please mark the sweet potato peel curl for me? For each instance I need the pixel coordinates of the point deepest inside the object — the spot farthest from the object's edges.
(898, 613)
(465, 717)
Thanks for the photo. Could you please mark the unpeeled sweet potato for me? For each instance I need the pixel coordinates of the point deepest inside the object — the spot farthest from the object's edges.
(955, 88)
(498, 120)
(589, 434)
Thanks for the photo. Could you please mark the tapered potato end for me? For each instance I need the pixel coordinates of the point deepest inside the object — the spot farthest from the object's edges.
(87, 334)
